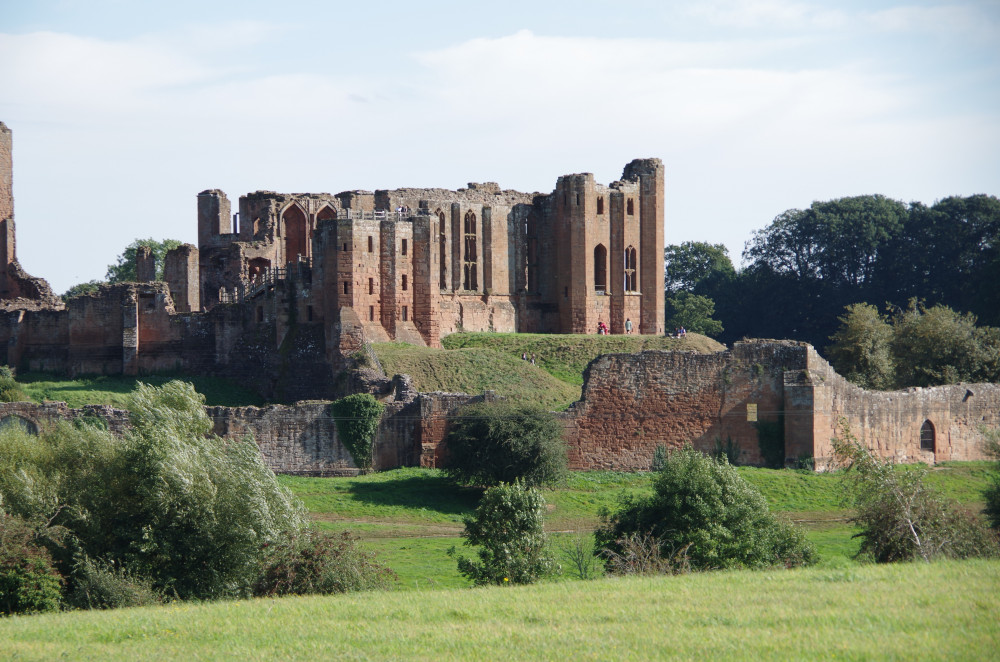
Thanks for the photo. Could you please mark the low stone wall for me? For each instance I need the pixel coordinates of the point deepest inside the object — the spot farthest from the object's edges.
(631, 404)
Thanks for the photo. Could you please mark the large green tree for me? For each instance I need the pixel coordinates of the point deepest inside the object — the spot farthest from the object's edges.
(123, 270)
(861, 347)
(694, 313)
(696, 266)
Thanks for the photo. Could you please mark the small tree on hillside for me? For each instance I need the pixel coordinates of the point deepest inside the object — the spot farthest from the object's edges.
(491, 443)
(900, 518)
(507, 527)
(357, 417)
(703, 507)
(694, 313)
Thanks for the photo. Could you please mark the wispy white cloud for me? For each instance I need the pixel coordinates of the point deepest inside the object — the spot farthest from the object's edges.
(783, 14)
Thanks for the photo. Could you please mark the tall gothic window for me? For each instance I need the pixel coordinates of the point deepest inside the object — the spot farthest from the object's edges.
(600, 268)
(630, 273)
(443, 249)
(927, 436)
(471, 280)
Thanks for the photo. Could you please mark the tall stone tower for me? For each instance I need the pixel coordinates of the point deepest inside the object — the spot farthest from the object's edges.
(650, 175)
(7, 254)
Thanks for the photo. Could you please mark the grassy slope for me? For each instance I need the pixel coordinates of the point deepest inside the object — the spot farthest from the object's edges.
(906, 611)
(111, 390)
(473, 371)
(412, 516)
(473, 362)
(565, 356)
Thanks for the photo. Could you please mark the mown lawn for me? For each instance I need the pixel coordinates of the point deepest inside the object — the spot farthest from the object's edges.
(412, 516)
(112, 389)
(912, 611)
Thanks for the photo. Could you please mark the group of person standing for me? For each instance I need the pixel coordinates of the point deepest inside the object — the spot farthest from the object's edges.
(602, 328)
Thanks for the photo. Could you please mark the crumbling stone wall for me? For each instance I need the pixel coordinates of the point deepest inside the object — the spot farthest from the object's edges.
(632, 403)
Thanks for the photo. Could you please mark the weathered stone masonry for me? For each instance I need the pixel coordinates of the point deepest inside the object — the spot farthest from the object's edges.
(280, 294)
(631, 404)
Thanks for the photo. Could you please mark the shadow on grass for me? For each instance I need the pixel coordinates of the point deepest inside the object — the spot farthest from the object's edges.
(420, 492)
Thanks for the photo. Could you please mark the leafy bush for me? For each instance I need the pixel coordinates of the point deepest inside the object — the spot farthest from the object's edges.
(357, 417)
(900, 518)
(169, 502)
(659, 458)
(492, 443)
(10, 390)
(29, 582)
(992, 492)
(704, 507)
(312, 562)
(507, 527)
(100, 585)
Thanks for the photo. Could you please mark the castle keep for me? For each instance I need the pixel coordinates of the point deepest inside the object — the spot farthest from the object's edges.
(294, 283)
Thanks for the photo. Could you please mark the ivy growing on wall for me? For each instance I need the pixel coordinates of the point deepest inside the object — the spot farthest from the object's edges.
(357, 417)
(771, 440)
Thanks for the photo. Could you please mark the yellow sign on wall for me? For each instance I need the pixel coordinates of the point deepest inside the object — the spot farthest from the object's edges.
(752, 412)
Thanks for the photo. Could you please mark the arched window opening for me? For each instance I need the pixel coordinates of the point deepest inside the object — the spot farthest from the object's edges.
(471, 278)
(403, 251)
(600, 205)
(257, 267)
(630, 207)
(630, 272)
(405, 282)
(326, 214)
(371, 244)
(442, 250)
(296, 234)
(345, 287)
(19, 421)
(256, 226)
(927, 436)
(600, 269)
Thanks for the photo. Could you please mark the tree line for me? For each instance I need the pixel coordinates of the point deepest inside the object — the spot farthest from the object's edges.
(801, 272)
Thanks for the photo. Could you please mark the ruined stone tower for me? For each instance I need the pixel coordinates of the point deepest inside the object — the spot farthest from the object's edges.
(7, 254)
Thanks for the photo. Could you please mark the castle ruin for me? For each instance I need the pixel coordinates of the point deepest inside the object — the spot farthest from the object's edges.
(282, 293)
(294, 283)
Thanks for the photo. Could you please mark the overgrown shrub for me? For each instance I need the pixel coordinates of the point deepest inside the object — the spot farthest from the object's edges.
(10, 390)
(492, 443)
(729, 450)
(640, 554)
(102, 585)
(312, 562)
(357, 417)
(169, 502)
(659, 458)
(992, 492)
(29, 581)
(507, 527)
(704, 507)
(901, 518)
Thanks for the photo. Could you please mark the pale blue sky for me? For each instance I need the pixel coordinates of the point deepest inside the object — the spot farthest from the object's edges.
(123, 111)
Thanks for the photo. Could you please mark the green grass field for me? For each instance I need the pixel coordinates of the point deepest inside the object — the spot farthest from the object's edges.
(909, 611)
(112, 389)
(411, 516)
(565, 356)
